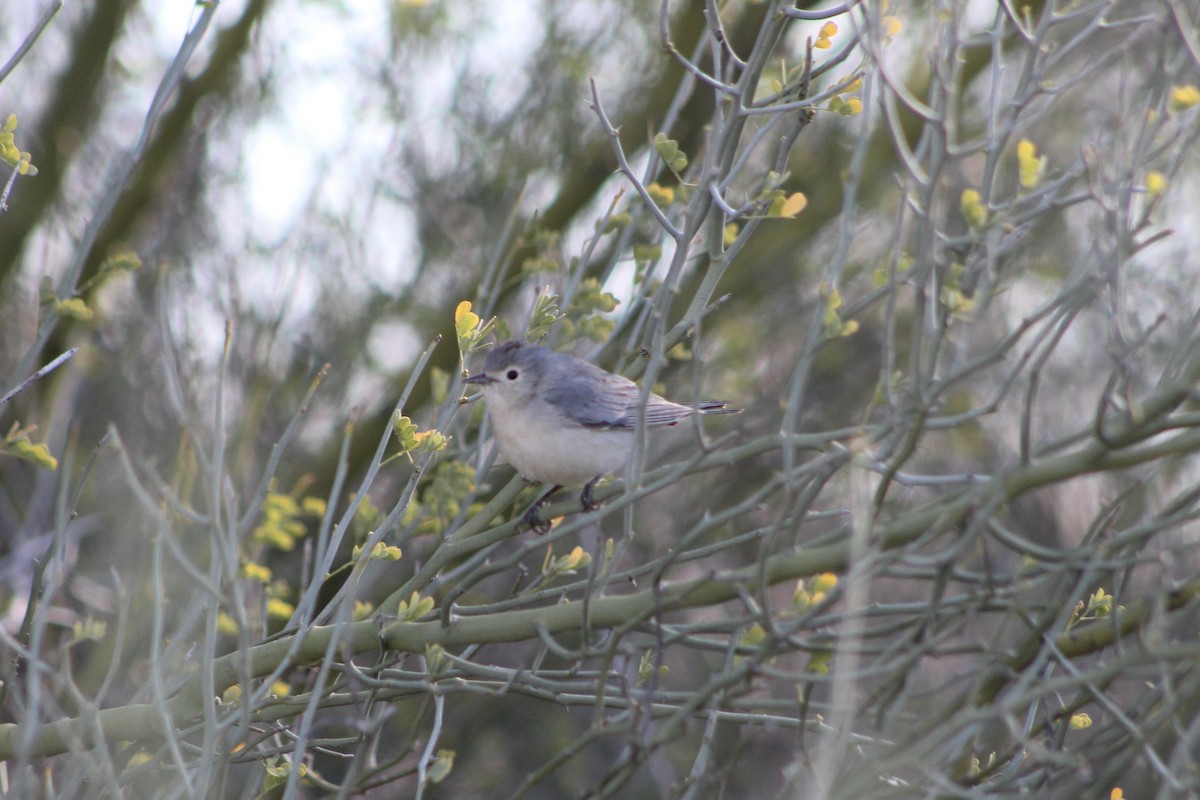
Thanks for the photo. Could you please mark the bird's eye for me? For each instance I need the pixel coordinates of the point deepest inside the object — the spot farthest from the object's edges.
(511, 374)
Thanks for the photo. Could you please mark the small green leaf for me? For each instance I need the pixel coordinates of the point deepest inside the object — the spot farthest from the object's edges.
(124, 261)
(89, 630)
(469, 330)
(647, 252)
(380, 552)
(662, 196)
(546, 314)
(668, 150)
(38, 453)
(415, 607)
(405, 430)
(441, 766)
(617, 222)
(73, 307)
(436, 661)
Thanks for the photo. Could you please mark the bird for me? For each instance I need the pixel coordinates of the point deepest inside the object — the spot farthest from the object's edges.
(561, 420)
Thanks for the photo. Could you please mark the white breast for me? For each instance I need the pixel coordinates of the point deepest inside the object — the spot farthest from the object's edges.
(548, 451)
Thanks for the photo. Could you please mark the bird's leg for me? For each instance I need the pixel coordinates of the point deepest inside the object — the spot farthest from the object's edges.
(585, 497)
(531, 518)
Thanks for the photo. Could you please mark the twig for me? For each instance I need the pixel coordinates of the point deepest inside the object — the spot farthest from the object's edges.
(41, 373)
(26, 45)
(627, 170)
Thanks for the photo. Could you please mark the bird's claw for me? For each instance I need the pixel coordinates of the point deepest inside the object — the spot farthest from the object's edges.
(534, 520)
(532, 516)
(585, 497)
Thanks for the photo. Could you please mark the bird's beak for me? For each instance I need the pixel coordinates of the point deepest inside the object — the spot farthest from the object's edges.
(480, 378)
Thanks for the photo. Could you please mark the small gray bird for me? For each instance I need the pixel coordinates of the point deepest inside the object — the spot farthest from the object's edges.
(560, 420)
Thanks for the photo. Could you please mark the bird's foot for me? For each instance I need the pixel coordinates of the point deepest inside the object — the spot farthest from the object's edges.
(585, 497)
(532, 517)
(534, 521)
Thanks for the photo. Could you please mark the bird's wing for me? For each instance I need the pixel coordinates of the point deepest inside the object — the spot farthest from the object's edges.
(592, 397)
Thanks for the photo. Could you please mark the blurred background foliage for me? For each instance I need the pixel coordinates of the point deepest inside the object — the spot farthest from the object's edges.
(327, 180)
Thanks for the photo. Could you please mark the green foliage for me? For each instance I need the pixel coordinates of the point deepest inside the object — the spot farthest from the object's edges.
(669, 152)
(380, 552)
(546, 258)
(117, 263)
(586, 318)
(819, 663)
(10, 153)
(877, 560)
(555, 567)
(282, 522)
(846, 107)
(647, 668)
(616, 222)
(414, 608)
(972, 209)
(787, 206)
(545, 316)
(662, 195)
(278, 608)
(419, 21)
(89, 630)
(17, 443)
(73, 308)
(1183, 97)
(1031, 167)
(439, 385)
(470, 330)
(276, 770)
(776, 201)
(441, 498)
(414, 442)
(750, 639)
(647, 253)
(436, 660)
(813, 592)
(442, 764)
(256, 572)
(835, 326)
(366, 519)
(1099, 605)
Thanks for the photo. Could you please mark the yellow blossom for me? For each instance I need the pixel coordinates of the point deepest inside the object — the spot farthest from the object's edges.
(1183, 97)
(1156, 182)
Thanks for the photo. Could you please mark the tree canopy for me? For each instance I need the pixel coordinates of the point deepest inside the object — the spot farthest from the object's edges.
(255, 537)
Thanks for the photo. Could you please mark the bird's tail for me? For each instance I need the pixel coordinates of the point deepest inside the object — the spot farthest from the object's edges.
(712, 407)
